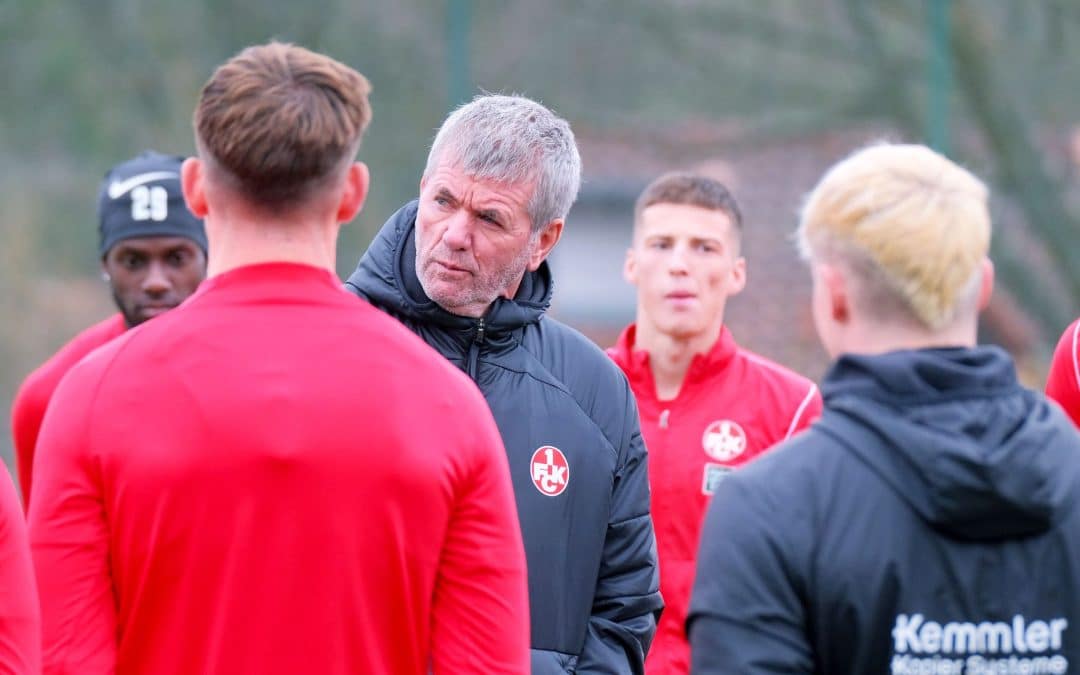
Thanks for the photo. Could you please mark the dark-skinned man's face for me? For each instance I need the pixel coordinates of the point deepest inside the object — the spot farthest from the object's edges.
(151, 275)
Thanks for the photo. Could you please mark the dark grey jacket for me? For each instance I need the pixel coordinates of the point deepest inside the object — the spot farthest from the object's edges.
(927, 522)
(593, 580)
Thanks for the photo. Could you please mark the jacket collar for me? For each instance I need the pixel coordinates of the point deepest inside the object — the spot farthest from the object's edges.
(636, 361)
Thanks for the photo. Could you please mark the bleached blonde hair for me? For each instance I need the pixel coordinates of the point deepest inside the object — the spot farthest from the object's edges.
(913, 226)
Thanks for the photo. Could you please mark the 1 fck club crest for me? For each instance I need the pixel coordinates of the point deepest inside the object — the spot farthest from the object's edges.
(724, 440)
(550, 471)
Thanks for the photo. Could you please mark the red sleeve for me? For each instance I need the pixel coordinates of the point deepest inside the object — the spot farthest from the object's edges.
(20, 615)
(808, 410)
(69, 535)
(34, 395)
(480, 620)
(1063, 381)
(26, 415)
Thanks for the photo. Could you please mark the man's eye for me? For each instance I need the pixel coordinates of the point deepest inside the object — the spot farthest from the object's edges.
(660, 245)
(177, 258)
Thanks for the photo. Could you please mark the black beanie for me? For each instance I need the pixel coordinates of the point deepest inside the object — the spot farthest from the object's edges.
(141, 198)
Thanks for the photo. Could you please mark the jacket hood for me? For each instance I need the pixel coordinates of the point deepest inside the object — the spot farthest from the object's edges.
(953, 433)
(386, 276)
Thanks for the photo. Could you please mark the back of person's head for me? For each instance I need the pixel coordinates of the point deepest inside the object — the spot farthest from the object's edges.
(141, 197)
(689, 189)
(277, 122)
(512, 139)
(911, 226)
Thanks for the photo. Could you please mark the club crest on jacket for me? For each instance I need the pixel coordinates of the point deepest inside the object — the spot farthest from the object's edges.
(550, 471)
(724, 440)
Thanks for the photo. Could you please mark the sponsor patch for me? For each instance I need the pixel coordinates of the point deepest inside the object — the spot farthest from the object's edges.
(550, 471)
(979, 646)
(713, 474)
(724, 440)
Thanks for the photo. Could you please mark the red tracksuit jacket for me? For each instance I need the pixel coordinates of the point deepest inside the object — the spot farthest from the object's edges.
(733, 406)
(33, 396)
(1063, 380)
(275, 478)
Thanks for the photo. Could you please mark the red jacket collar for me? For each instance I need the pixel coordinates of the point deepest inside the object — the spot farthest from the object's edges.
(635, 362)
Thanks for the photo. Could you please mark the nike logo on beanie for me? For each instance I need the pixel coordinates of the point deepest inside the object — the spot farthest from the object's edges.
(119, 188)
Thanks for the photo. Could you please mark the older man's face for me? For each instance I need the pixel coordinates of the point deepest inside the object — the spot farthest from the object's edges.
(474, 239)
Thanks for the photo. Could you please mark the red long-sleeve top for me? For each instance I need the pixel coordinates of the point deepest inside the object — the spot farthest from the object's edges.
(275, 478)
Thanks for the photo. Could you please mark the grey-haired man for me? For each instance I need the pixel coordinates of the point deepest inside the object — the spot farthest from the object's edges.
(464, 267)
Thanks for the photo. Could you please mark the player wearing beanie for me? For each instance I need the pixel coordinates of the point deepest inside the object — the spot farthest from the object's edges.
(153, 256)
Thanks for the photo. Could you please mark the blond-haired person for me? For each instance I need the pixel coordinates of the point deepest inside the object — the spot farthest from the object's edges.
(926, 522)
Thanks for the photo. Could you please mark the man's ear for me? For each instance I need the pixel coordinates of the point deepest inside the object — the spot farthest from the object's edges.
(357, 181)
(986, 286)
(549, 236)
(837, 292)
(738, 276)
(192, 177)
(629, 270)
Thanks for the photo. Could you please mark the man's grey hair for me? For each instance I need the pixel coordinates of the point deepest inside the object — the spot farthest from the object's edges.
(513, 139)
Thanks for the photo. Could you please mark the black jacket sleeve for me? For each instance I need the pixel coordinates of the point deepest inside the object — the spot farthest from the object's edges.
(627, 603)
(747, 613)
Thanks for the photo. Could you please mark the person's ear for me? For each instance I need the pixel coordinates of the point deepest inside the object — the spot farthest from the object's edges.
(629, 270)
(738, 276)
(837, 293)
(192, 177)
(549, 236)
(357, 181)
(986, 285)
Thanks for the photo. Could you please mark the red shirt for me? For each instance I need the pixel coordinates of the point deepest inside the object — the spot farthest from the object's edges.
(33, 396)
(275, 477)
(1063, 381)
(733, 405)
(20, 614)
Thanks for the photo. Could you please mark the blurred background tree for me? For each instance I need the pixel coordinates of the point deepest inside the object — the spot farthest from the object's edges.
(991, 82)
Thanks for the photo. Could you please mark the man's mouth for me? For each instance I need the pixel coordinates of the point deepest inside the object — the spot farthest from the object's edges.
(450, 267)
(154, 309)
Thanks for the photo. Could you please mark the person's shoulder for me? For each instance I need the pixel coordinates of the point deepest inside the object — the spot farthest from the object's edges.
(779, 496)
(374, 329)
(797, 470)
(575, 359)
(766, 369)
(39, 385)
(1067, 351)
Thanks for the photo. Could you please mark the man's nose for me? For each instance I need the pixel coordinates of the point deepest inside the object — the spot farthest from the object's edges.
(458, 233)
(677, 260)
(157, 280)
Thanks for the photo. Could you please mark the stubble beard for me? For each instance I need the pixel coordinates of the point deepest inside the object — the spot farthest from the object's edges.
(479, 290)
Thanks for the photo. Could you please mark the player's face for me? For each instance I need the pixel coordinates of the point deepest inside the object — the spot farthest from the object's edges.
(685, 263)
(151, 275)
(474, 240)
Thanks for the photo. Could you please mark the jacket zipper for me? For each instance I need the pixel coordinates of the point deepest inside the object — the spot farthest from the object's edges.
(473, 361)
